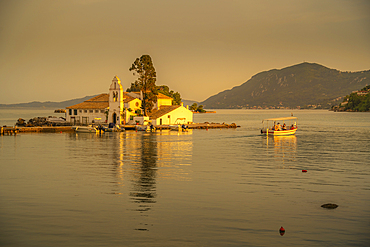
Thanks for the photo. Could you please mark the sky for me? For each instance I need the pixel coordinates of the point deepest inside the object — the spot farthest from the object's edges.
(56, 50)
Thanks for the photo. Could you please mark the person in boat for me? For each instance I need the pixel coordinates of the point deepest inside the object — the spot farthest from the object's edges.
(278, 127)
(284, 126)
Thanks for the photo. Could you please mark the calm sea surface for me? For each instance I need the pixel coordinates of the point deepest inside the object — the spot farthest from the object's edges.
(216, 187)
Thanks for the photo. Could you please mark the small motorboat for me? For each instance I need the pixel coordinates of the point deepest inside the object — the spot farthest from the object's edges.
(111, 128)
(279, 126)
(85, 129)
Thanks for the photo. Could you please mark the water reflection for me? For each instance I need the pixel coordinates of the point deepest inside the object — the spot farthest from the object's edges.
(136, 160)
(285, 147)
(144, 183)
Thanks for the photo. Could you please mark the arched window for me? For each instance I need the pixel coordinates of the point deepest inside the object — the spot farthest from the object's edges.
(115, 96)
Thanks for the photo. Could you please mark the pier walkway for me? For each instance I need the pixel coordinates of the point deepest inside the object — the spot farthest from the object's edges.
(50, 129)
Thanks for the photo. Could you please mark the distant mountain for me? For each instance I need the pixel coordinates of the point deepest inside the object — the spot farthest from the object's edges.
(189, 102)
(64, 104)
(299, 85)
(47, 104)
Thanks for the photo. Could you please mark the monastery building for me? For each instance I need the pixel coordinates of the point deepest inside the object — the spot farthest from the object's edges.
(119, 107)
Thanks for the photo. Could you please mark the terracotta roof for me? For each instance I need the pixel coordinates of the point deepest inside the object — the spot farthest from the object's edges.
(159, 95)
(98, 102)
(162, 111)
(127, 98)
(100, 98)
(162, 96)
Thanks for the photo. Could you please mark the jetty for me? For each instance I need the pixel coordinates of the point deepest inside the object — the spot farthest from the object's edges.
(50, 129)
(205, 125)
(8, 130)
(56, 129)
(14, 130)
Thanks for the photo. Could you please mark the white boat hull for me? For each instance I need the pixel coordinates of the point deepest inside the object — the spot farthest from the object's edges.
(279, 132)
(85, 129)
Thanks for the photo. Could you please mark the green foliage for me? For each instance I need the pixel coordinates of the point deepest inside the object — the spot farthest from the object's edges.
(135, 87)
(200, 109)
(358, 102)
(146, 77)
(194, 107)
(176, 97)
(138, 112)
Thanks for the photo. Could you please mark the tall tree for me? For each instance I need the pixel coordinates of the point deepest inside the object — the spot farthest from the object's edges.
(146, 77)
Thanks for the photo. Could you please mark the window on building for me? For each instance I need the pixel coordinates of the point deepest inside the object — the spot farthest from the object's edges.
(80, 111)
(115, 96)
(102, 111)
(85, 120)
(75, 112)
(96, 111)
(91, 111)
(85, 111)
(70, 111)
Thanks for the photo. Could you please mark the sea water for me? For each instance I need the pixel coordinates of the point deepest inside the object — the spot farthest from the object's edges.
(215, 187)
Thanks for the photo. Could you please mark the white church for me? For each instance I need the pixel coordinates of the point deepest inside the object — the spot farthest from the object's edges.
(119, 107)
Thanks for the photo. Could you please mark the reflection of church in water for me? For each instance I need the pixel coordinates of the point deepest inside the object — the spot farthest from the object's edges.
(152, 157)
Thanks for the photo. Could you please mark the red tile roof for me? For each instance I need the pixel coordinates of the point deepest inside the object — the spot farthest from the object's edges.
(127, 98)
(98, 102)
(162, 111)
(162, 96)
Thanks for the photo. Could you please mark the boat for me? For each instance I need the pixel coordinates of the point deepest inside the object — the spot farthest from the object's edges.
(146, 126)
(111, 128)
(60, 111)
(56, 120)
(179, 125)
(279, 126)
(85, 129)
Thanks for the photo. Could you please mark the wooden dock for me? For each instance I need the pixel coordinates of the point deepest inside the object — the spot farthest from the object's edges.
(57, 129)
(190, 126)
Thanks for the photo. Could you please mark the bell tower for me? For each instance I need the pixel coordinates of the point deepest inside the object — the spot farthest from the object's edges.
(115, 101)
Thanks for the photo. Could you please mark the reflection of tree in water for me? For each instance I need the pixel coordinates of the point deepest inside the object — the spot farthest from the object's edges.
(144, 191)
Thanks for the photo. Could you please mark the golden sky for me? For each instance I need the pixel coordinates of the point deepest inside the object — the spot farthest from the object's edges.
(56, 50)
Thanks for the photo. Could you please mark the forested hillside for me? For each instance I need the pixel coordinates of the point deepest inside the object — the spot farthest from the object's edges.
(302, 85)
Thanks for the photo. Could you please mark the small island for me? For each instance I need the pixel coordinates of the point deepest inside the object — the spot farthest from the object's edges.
(199, 109)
